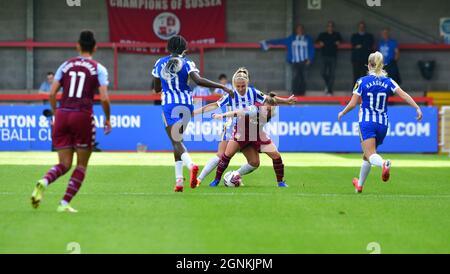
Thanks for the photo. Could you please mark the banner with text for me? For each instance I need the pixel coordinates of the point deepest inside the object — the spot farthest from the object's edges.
(309, 129)
(155, 21)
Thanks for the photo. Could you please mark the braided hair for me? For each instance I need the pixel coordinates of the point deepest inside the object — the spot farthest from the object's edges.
(177, 46)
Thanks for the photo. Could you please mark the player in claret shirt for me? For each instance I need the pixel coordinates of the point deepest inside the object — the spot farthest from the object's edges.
(374, 91)
(74, 126)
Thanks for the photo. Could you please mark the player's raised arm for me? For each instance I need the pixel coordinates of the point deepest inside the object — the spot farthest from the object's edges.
(277, 100)
(157, 85)
(200, 81)
(351, 105)
(408, 99)
(233, 113)
(53, 91)
(285, 101)
(209, 107)
(106, 105)
(250, 111)
(225, 100)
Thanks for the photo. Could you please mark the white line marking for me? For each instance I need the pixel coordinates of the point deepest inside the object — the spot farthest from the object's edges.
(337, 195)
(166, 159)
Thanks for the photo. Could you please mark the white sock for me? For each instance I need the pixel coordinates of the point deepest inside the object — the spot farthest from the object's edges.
(45, 182)
(64, 203)
(246, 169)
(376, 160)
(187, 160)
(179, 172)
(365, 170)
(212, 164)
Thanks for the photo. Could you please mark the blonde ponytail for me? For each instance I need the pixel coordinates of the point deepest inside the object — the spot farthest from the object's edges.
(240, 74)
(376, 64)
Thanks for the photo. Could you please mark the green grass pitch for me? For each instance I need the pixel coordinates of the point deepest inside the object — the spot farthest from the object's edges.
(126, 205)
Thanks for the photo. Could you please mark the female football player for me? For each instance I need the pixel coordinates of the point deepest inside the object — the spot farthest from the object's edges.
(171, 74)
(244, 96)
(259, 116)
(74, 126)
(374, 91)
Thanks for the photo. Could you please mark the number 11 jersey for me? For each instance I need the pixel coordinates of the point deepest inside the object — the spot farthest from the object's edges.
(80, 77)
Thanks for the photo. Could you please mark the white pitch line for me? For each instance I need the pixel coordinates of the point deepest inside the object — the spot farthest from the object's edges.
(337, 195)
(288, 194)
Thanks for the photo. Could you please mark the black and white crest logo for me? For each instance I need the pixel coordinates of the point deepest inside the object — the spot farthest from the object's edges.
(171, 69)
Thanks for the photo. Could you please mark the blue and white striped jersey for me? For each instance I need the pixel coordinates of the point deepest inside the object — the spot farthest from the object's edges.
(174, 80)
(299, 48)
(374, 92)
(250, 98)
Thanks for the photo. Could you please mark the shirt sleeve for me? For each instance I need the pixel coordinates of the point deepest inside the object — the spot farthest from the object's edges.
(58, 74)
(102, 75)
(357, 89)
(282, 41)
(224, 100)
(190, 67)
(155, 70)
(260, 97)
(393, 85)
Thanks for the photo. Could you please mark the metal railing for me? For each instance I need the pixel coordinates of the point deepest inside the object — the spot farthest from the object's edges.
(342, 100)
(201, 48)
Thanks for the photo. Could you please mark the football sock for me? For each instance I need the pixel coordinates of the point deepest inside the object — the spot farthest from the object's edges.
(179, 182)
(74, 184)
(186, 158)
(376, 160)
(365, 170)
(246, 169)
(179, 171)
(54, 173)
(278, 167)
(223, 164)
(212, 164)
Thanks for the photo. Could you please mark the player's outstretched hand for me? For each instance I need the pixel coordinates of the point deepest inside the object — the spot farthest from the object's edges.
(340, 115)
(292, 100)
(107, 127)
(419, 115)
(217, 116)
(229, 91)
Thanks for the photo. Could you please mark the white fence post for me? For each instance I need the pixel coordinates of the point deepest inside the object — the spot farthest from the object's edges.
(445, 129)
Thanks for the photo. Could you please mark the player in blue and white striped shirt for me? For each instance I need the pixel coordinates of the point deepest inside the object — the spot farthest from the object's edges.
(374, 91)
(244, 97)
(171, 74)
